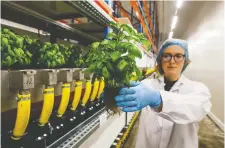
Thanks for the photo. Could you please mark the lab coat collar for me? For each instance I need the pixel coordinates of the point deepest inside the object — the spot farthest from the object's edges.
(176, 86)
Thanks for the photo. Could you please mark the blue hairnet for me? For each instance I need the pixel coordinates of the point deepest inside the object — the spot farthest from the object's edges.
(182, 43)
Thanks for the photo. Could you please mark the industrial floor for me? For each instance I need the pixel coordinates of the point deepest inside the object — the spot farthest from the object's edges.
(210, 136)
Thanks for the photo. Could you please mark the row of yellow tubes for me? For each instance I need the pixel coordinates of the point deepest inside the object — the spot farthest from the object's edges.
(24, 103)
(125, 134)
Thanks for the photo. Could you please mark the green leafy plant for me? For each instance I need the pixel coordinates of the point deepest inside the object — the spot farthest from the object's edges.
(77, 57)
(13, 48)
(51, 56)
(114, 59)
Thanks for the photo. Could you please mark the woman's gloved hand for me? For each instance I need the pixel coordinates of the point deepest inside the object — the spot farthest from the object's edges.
(137, 97)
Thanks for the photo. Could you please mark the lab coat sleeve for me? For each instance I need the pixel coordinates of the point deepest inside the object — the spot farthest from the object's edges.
(186, 108)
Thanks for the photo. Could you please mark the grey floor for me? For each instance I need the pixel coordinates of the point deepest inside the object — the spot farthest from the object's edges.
(210, 136)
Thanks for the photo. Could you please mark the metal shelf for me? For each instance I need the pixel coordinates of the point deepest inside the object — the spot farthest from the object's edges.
(92, 28)
(76, 136)
(23, 15)
(92, 11)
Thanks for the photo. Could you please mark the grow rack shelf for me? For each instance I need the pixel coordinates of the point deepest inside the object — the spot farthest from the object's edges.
(80, 133)
(18, 13)
(92, 11)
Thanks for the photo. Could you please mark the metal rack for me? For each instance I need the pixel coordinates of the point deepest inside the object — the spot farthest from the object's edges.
(92, 10)
(18, 13)
(81, 132)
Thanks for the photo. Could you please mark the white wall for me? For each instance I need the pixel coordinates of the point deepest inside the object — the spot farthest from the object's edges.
(205, 36)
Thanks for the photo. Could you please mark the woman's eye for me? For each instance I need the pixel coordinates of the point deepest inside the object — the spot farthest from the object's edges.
(166, 56)
(179, 56)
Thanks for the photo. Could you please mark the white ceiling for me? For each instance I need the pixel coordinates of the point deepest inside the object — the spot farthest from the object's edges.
(166, 11)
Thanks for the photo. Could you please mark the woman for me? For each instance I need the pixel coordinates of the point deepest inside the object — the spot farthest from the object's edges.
(172, 105)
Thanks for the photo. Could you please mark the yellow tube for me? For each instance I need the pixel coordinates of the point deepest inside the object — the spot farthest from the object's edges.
(150, 71)
(22, 117)
(86, 93)
(47, 106)
(95, 90)
(64, 100)
(101, 88)
(77, 95)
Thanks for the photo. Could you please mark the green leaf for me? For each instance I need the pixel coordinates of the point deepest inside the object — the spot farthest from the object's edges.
(127, 80)
(19, 42)
(95, 45)
(122, 46)
(8, 61)
(28, 53)
(11, 53)
(115, 55)
(133, 50)
(5, 30)
(112, 44)
(105, 42)
(4, 42)
(128, 29)
(54, 64)
(27, 60)
(146, 43)
(111, 36)
(91, 68)
(105, 73)
(138, 73)
(110, 66)
(121, 65)
(132, 37)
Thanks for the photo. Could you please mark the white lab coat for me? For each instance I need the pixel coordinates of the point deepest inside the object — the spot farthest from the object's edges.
(176, 126)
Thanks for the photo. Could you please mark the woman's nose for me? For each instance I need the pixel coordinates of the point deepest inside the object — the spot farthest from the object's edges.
(172, 61)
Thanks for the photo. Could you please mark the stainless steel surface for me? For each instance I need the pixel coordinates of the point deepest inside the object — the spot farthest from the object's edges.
(74, 132)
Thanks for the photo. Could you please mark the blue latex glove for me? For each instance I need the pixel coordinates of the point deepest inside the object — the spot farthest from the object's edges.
(137, 97)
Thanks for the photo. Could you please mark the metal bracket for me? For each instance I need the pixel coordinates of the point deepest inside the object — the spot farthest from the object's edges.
(22, 79)
(49, 76)
(78, 74)
(87, 75)
(65, 75)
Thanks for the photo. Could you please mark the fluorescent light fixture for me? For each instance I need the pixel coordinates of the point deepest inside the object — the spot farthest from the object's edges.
(170, 35)
(179, 3)
(175, 18)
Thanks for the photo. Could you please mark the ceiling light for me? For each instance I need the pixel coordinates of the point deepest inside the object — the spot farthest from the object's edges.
(174, 22)
(170, 35)
(179, 3)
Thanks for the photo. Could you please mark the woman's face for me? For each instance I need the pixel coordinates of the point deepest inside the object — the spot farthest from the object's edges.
(172, 67)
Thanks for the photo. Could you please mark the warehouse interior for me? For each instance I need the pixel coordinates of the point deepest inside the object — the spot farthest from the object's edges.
(50, 96)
